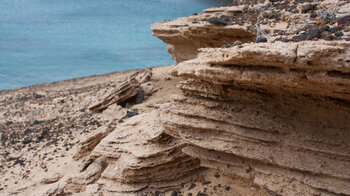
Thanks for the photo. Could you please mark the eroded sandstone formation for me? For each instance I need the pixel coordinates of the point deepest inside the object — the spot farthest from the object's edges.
(137, 155)
(279, 118)
(186, 35)
(275, 115)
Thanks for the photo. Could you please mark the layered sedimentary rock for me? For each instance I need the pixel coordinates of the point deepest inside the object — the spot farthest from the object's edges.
(136, 156)
(186, 35)
(277, 114)
(127, 90)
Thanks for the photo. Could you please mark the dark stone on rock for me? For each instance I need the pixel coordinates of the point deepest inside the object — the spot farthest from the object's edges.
(201, 194)
(28, 131)
(43, 134)
(227, 46)
(217, 21)
(18, 161)
(333, 30)
(140, 97)
(217, 175)
(313, 15)
(227, 188)
(35, 122)
(326, 28)
(282, 39)
(308, 7)
(261, 39)
(339, 34)
(130, 114)
(314, 33)
(82, 110)
(3, 137)
(225, 18)
(49, 143)
(8, 123)
(37, 96)
(343, 21)
(192, 186)
(26, 141)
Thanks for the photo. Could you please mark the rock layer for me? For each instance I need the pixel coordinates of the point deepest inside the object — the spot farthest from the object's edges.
(136, 156)
(186, 35)
(127, 90)
(273, 113)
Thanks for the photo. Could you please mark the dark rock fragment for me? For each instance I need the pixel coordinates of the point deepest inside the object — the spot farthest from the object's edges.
(140, 97)
(339, 34)
(192, 186)
(130, 114)
(27, 131)
(261, 39)
(26, 141)
(314, 33)
(313, 15)
(8, 123)
(225, 18)
(217, 21)
(333, 30)
(174, 193)
(308, 7)
(326, 28)
(343, 21)
(217, 175)
(35, 122)
(43, 134)
(282, 39)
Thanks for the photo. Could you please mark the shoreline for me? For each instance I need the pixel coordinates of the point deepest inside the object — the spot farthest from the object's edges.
(61, 82)
(41, 125)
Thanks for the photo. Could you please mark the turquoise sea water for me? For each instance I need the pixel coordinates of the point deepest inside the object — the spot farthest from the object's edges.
(44, 41)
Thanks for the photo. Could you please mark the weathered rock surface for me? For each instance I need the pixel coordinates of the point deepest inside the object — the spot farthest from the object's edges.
(186, 35)
(272, 117)
(277, 115)
(136, 156)
(122, 93)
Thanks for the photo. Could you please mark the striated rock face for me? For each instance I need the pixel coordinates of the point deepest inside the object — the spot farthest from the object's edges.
(275, 114)
(136, 156)
(186, 35)
(129, 89)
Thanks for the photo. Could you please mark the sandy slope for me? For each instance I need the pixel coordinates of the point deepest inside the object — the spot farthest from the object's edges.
(41, 125)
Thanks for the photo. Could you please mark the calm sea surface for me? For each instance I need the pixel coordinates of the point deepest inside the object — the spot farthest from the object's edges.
(44, 41)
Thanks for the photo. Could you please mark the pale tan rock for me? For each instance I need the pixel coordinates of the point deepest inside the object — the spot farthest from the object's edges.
(123, 92)
(91, 141)
(23, 187)
(56, 189)
(51, 178)
(185, 37)
(276, 116)
(136, 156)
